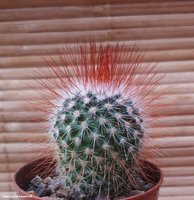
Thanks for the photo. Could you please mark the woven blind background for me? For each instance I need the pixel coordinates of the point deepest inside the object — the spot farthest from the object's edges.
(33, 29)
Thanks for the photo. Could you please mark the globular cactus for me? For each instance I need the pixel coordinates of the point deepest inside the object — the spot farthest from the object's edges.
(98, 138)
(100, 114)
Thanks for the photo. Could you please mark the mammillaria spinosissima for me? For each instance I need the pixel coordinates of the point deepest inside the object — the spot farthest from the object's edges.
(101, 109)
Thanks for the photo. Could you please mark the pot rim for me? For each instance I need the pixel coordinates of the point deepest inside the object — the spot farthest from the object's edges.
(155, 187)
(135, 197)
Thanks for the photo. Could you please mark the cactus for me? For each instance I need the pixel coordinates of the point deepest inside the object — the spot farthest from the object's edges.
(98, 138)
(100, 113)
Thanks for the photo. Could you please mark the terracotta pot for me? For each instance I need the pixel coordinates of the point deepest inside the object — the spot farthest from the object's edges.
(23, 176)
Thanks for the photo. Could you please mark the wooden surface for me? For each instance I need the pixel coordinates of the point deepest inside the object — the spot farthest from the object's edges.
(32, 30)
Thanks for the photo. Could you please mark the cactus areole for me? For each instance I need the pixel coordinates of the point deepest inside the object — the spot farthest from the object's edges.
(98, 118)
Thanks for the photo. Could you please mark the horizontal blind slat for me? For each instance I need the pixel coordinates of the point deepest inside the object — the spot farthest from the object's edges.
(25, 73)
(97, 23)
(97, 35)
(185, 197)
(95, 10)
(145, 45)
(177, 191)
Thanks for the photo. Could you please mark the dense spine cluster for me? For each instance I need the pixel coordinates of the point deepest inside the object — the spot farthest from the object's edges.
(98, 138)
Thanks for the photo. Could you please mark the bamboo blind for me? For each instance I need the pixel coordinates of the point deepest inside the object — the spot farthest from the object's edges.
(33, 29)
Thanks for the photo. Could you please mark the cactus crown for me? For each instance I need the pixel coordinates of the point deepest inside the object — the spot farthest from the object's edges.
(100, 111)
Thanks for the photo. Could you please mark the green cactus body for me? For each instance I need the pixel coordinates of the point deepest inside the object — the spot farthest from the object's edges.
(98, 139)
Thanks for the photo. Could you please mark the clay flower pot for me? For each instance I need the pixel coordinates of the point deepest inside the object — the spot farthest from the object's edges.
(23, 176)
